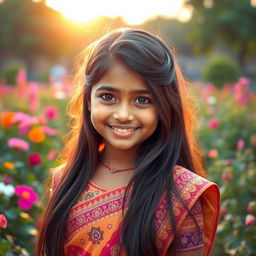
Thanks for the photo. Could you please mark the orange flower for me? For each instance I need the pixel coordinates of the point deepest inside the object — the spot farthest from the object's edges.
(9, 165)
(6, 119)
(36, 135)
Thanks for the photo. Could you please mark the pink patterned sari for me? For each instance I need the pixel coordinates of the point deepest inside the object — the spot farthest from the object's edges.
(94, 222)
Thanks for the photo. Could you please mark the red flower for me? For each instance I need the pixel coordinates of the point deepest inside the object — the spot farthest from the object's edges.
(3, 221)
(34, 159)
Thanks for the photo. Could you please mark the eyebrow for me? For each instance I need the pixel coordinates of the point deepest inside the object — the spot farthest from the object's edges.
(111, 89)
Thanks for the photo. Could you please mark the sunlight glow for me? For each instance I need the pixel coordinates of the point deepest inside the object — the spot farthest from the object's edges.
(133, 11)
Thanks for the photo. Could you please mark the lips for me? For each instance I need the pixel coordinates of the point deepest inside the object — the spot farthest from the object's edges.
(123, 131)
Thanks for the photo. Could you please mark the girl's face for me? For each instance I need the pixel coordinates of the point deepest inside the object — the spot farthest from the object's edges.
(122, 109)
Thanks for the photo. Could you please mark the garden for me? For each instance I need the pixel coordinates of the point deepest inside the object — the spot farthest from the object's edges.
(32, 128)
(33, 121)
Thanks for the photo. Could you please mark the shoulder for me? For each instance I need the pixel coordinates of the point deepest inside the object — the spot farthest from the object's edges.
(184, 177)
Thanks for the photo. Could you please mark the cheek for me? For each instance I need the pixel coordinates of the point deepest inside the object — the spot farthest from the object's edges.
(151, 120)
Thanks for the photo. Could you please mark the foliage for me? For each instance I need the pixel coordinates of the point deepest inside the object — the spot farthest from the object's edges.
(29, 28)
(228, 138)
(220, 71)
(10, 71)
(24, 168)
(230, 22)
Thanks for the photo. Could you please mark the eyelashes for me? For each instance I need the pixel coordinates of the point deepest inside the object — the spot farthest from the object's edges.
(140, 100)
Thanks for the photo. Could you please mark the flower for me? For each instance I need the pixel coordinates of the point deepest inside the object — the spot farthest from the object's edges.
(51, 154)
(18, 143)
(223, 211)
(7, 179)
(251, 206)
(214, 123)
(9, 165)
(249, 220)
(27, 196)
(51, 112)
(253, 139)
(7, 190)
(49, 131)
(7, 119)
(240, 144)
(241, 91)
(213, 153)
(229, 161)
(227, 176)
(36, 135)
(34, 159)
(3, 221)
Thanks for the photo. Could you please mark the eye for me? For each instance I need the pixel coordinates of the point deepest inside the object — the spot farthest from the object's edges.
(107, 97)
(143, 100)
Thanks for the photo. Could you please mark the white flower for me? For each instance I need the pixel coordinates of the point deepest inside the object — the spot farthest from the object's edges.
(7, 190)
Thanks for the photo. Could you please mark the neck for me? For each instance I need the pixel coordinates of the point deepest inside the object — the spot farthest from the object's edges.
(120, 159)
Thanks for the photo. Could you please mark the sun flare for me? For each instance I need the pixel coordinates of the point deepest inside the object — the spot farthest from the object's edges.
(133, 11)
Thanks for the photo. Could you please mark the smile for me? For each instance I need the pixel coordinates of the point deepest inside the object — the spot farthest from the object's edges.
(123, 132)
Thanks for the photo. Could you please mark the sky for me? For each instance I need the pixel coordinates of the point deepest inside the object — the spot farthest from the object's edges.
(133, 11)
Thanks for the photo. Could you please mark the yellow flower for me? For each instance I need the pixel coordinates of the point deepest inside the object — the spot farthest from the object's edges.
(9, 165)
(36, 135)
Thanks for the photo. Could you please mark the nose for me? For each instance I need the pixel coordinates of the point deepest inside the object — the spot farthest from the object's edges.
(123, 113)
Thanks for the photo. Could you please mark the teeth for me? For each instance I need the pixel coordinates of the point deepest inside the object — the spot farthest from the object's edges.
(123, 130)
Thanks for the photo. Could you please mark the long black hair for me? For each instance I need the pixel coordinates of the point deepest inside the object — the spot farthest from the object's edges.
(173, 142)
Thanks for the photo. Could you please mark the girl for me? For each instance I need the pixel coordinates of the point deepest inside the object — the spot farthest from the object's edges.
(130, 183)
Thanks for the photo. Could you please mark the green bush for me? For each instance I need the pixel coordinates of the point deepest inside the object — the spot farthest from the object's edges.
(10, 71)
(220, 71)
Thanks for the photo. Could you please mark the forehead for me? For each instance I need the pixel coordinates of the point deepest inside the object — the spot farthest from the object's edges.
(121, 78)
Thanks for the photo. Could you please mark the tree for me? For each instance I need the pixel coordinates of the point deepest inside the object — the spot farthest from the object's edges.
(229, 21)
(30, 29)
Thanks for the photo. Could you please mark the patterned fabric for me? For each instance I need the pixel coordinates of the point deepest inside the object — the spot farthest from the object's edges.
(94, 222)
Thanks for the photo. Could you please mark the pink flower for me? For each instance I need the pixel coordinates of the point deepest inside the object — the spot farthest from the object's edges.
(18, 143)
(51, 112)
(28, 122)
(227, 176)
(34, 159)
(27, 196)
(223, 211)
(230, 161)
(251, 206)
(241, 91)
(240, 144)
(249, 220)
(51, 154)
(33, 96)
(3, 221)
(21, 76)
(7, 179)
(49, 131)
(213, 153)
(214, 123)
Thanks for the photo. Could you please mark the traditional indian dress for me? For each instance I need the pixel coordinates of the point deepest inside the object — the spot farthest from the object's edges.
(95, 221)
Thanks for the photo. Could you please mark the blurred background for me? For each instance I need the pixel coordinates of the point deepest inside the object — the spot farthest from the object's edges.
(215, 44)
